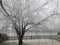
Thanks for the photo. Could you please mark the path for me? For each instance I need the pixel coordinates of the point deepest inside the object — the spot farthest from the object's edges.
(39, 42)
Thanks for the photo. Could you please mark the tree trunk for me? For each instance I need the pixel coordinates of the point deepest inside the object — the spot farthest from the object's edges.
(20, 41)
(21, 38)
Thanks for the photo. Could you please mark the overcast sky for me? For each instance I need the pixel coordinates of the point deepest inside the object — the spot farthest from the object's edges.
(43, 13)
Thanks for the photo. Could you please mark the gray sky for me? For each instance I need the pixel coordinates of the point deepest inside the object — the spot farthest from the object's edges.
(43, 13)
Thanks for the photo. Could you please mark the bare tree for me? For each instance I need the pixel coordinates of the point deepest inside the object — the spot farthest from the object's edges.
(20, 15)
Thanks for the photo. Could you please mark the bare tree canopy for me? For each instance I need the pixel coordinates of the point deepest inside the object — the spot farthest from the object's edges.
(26, 14)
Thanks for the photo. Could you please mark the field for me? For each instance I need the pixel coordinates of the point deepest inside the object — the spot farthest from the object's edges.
(33, 42)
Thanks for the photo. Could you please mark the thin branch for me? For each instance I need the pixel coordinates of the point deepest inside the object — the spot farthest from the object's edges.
(54, 13)
(39, 8)
(29, 5)
(33, 27)
(15, 25)
(41, 21)
(25, 25)
(45, 19)
(7, 5)
(22, 26)
(28, 28)
(28, 24)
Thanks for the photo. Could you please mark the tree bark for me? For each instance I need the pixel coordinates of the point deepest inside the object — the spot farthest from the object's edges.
(20, 41)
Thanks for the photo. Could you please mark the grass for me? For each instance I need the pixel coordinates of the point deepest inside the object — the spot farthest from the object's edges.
(13, 44)
(8, 44)
(57, 37)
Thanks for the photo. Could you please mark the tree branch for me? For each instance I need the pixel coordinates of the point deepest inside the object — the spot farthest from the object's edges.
(41, 21)
(39, 8)
(15, 25)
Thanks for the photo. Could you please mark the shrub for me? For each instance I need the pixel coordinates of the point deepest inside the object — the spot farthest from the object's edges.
(58, 37)
(58, 33)
(3, 37)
